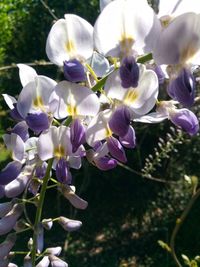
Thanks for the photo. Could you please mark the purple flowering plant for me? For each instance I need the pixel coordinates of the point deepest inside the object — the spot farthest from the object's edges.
(112, 76)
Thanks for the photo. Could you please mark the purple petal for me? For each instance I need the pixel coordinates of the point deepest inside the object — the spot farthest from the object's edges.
(74, 199)
(41, 170)
(37, 122)
(77, 135)
(40, 238)
(21, 129)
(105, 163)
(5, 208)
(2, 191)
(14, 113)
(63, 173)
(129, 140)
(129, 72)
(160, 74)
(10, 172)
(116, 149)
(120, 121)
(186, 120)
(74, 71)
(183, 88)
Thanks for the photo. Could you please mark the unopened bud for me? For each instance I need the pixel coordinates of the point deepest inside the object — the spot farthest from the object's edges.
(68, 224)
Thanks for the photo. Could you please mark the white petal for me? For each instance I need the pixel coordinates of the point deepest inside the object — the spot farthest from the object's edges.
(104, 3)
(179, 42)
(74, 99)
(31, 148)
(175, 8)
(99, 64)
(10, 100)
(69, 38)
(45, 146)
(151, 118)
(35, 95)
(124, 26)
(98, 128)
(26, 73)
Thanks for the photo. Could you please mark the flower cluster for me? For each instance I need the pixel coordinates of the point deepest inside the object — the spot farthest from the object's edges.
(112, 73)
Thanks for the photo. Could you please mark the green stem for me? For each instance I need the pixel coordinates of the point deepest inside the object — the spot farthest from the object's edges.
(39, 210)
(145, 58)
(179, 222)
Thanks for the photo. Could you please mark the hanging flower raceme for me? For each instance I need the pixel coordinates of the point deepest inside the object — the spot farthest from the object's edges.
(129, 32)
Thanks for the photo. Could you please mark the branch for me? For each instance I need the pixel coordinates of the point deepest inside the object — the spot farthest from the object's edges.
(49, 9)
(35, 63)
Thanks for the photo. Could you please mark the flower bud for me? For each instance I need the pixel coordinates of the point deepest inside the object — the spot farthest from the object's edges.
(44, 262)
(75, 200)
(68, 224)
(10, 172)
(9, 221)
(74, 71)
(56, 262)
(54, 251)
(5, 208)
(4, 262)
(40, 238)
(47, 223)
(27, 261)
(186, 120)
(7, 245)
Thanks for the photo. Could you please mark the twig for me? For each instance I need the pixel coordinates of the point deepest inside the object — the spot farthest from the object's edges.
(35, 63)
(49, 9)
(179, 222)
(146, 176)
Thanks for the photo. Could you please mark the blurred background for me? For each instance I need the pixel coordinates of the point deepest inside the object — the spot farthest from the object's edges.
(127, 213)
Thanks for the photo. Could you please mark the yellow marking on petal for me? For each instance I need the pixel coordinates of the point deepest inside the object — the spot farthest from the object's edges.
(130, 96)
(108, 131)
(70, 47)
(72, 110)
(38, 102)
(188, 54)
(165, 21)
(59, 152)
(126, 44)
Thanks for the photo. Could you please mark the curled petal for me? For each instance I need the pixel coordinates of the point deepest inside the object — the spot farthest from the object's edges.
(116, 149)
(47, 224)
(129, 139)
(186, 120)
(10, 172)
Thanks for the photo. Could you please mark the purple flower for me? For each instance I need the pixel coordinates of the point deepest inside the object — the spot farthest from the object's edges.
(74, 71)
(129, 72)
(129, 139)
(120, 121)
(105, 163)
(21, 129)
(186, 120)
(183, 88)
